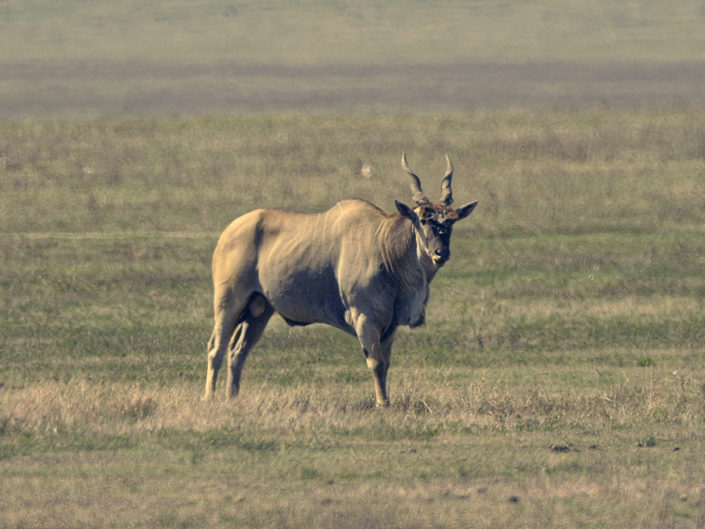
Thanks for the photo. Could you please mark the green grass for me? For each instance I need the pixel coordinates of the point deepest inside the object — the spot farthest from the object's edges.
(559, 381)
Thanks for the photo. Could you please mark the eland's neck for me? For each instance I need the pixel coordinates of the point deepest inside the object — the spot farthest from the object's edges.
(425, 262)
(403, 254)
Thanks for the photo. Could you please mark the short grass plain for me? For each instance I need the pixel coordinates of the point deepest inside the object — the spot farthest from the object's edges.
(559, 382)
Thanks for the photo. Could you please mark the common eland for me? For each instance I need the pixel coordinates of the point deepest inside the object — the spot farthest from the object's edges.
(354, 267)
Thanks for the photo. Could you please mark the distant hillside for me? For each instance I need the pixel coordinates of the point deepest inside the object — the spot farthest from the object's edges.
(61, 57)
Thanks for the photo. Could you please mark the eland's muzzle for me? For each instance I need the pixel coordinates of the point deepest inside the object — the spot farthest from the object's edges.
(440, 256)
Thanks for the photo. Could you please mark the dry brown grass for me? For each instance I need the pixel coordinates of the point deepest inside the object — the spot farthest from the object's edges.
(430, 399)
(491, 453)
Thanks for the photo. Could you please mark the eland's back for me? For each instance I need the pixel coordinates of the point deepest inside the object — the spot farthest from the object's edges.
(296, 260)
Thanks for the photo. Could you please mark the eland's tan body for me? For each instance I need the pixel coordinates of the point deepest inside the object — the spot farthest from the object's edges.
(354, 267)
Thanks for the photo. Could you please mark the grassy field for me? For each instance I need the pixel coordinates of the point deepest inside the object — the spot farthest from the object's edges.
(560, 379)
(559, 382)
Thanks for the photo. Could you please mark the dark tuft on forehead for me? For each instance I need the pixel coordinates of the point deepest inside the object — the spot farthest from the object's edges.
(448, 212)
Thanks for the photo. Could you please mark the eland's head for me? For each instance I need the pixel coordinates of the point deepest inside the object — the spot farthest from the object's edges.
(433, 221)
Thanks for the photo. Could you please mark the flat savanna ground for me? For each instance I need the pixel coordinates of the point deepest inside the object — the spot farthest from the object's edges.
(559, 381)
(90, 87)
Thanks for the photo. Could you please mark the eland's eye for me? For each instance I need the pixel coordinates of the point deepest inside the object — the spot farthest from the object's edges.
(441, 229)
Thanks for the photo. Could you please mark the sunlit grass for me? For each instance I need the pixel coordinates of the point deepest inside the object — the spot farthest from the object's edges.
(476, 449)
(558, 381)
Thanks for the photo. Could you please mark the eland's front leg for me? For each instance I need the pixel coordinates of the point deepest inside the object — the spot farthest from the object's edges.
(377, 356)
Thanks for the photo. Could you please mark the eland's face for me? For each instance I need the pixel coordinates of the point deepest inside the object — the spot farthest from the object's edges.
(433, 222)
(435, 227)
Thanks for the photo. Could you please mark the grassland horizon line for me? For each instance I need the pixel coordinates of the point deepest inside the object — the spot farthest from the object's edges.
(109, 235)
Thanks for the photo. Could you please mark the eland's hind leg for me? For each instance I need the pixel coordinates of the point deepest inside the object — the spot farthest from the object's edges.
(247, 334)
(228, 308)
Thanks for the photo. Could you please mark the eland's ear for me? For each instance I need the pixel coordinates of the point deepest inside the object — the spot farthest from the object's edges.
(464, 211)
(406, 211)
